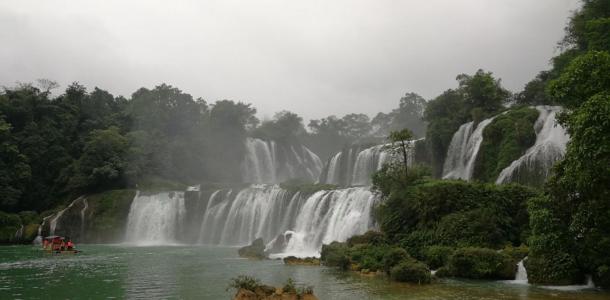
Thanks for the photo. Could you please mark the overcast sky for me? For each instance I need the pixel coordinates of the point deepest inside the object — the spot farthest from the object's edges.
(313, 57)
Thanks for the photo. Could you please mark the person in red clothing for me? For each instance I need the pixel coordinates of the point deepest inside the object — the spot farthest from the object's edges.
(70, 245)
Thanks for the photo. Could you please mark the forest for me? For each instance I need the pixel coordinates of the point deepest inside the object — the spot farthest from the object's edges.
(56, 146)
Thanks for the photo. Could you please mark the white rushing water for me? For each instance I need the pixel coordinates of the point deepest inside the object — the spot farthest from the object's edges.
(82, 217)
(266, 211)
(550, 146)
(521, 276)
(333, 173)
(155, 219)
(329, 216)
(463, 150)
(367, 162)
(267, 162)
(347, 170)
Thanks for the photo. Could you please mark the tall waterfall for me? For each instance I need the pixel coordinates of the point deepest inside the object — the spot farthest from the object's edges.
(155, 219)
(266, 211)
(463, 150)
(550, 146)
(268, 162)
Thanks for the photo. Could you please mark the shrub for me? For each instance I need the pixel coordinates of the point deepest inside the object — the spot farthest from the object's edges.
(481, 263)
(410, 270)
(437, 256)
(516, 253)
(9, 224)
(368, 257)
(553, 268)
(244, 282)
(393, 257)
(289, 286)
(335, 255)
(370, 237)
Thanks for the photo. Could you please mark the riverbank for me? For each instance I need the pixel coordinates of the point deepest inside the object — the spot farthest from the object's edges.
(201, 272)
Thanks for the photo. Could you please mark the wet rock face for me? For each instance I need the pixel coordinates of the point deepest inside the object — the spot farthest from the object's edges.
(256, 250)
(279, 244)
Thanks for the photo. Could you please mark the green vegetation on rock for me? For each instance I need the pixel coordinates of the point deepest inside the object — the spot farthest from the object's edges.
(505, 139)
(107, 215)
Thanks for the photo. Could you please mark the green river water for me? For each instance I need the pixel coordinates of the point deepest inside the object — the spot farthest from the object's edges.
(200, 272)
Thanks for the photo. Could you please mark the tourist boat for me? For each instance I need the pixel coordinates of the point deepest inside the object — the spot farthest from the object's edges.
(57, 245)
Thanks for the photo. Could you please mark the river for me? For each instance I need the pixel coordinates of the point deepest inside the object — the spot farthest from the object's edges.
(202, 272)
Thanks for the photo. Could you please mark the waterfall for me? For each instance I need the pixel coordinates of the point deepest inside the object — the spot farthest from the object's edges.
(259, 163)
(19, 233)
(333, 173)
(58, 215)
(358, 172)
(155, 219)
(268, 162)
(367, 162)
(550, 146)
(521, 276)
(82, 218)
(463, 150)
(259, 211)
(268, 211)
(328, 216)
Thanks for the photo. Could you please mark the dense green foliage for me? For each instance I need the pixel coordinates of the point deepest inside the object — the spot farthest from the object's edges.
(477, 97)
(480, 263)
(505, 139)
(570, 235)
(454, 214)
(54, 149)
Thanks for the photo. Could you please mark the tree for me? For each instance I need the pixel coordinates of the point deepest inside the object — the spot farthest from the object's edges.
(14, 170)
(356, 126)
(400, 143)
(103, 162)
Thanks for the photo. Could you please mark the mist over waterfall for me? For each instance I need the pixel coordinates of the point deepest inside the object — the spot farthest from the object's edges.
(463, 150)
(270, 162)
(155, 219)
(550, 146)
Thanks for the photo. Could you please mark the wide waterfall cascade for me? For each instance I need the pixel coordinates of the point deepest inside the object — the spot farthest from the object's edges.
(328, 216)
(155, 219)
(267, 211)
(268, 162)
(463, 150)
(550, 146)
(259, 211)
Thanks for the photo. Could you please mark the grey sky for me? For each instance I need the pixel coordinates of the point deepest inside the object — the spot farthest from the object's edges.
(313, 57)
